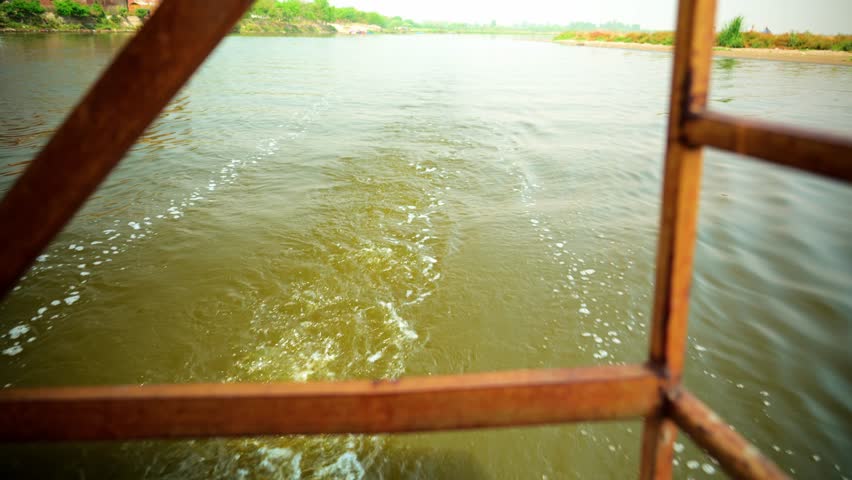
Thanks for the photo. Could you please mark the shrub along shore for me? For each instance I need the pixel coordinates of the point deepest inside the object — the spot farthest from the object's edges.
(266, 16)
(731, 36)
(66, 16)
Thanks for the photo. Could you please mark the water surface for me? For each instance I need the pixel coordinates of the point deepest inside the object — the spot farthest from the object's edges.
(335, 208)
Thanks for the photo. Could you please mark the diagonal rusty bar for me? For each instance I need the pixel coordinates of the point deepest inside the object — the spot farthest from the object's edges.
(738, 457)
(124, 101)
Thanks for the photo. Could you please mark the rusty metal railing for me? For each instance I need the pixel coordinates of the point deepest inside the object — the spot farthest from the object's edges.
(166, 51)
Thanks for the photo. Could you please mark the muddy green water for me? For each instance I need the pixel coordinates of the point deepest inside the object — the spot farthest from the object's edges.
(333, 208)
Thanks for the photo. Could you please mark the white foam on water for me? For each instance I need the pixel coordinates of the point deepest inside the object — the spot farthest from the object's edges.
(13, 350)
(18, 331)
(281, 461)
(372, 358)
(70, 300)
(347, 467)
(267, 147)
(393, 317)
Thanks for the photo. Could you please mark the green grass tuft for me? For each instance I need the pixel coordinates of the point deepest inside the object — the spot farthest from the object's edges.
(731, 36)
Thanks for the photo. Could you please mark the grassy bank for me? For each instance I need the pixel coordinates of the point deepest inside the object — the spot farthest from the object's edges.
(282, 27)
(289, 17)
(66, 16)
(793, 41)
(296, 16)
(730, 37)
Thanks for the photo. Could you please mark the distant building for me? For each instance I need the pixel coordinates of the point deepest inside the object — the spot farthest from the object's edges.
(132, 5)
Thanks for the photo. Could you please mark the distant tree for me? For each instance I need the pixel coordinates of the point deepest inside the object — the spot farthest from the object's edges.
(70, 8)
(347, 14)
(97, 11)
(263, 7)
(374, 18)
(21, 10)
(288, 10)
(613, 26)
(323, 11)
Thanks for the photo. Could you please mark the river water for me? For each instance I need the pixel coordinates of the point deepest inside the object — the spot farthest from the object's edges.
(334, 208)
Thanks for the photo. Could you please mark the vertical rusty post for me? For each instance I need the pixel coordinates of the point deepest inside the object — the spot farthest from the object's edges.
(681, 184)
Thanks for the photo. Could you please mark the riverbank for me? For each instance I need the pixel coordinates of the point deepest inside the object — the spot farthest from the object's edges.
(281, 27)
(265, 17)
(49, 22)
(54, 24)
(247, 27)
(826, 57)
(83, 29)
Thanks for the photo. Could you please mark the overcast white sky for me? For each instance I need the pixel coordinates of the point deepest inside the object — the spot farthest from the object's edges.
(819, 16)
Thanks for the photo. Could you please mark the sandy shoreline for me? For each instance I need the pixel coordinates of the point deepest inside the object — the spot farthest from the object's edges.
(805, 56)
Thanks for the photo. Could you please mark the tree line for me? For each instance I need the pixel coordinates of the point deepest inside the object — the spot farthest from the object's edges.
(321, 10)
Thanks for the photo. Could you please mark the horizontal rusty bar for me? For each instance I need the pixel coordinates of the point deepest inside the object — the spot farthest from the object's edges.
(738, 457)
(481, 400)
(818, 153)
